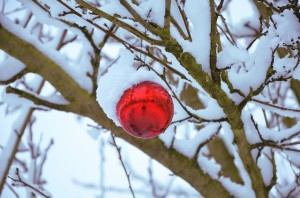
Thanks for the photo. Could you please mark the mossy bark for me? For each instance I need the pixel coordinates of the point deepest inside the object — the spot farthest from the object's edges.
(232, 111)
(82, 103)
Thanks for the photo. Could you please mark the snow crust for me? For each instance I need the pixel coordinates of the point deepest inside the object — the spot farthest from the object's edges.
(77, 74)
(232, 55)
(288, 26)
(188, 147)
(277, 136)
(284, 66)
(198, 14)
(237, 190)
(266, 168)
(248, 71)
(15, 100)
(292, 113)
(157, 11)
(209, 166)
(10, 67)
(120, 77)
(212, 111)
(267, 133)
(227, 135)
(251, 133)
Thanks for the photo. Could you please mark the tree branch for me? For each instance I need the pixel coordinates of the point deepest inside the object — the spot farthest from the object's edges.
(114, 143)
(36, 100)
(86, 105)
(232, 111)
(15, 139)
(185, 21)
(213, 43)
(153, 28)
(114, 20)
(167, 15)
(14, 78)
(20, 181)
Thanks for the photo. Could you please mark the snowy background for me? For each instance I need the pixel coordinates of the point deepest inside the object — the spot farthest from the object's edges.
(81, 163)
(74, 162)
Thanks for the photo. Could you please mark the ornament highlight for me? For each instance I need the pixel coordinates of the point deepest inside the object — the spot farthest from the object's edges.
(145, 110)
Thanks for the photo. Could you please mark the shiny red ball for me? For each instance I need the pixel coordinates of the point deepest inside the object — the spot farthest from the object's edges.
(145, 110)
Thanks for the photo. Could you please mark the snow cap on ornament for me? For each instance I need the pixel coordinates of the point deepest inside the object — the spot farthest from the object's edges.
(134, 99)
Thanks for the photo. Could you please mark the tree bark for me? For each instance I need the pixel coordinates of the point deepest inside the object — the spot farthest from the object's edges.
(82, 103)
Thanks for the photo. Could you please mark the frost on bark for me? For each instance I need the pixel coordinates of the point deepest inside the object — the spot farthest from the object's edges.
(234, 83)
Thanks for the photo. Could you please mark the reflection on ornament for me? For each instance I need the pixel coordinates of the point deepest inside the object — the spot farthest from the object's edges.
(145, 110)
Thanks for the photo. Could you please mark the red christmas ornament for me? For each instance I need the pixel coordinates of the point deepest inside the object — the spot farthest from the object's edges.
(145, 110)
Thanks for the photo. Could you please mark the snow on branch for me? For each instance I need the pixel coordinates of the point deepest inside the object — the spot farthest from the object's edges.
(51, 54)
(234, 68)
(20, 181)
(10, 70)
(14, 94)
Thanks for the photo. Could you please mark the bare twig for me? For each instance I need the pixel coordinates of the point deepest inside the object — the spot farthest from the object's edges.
(181, 120)
(167, 15)
(180, 30)
(35, 99)
(20, 181)
(126, 44)
(43, 160)
(185, 21)
(17, 141)
(220, 6)
(63, 42)
(114, 20)
(14, 78)
(276, 106)
(257, 129)
(122, 162)
(191, 115)
(200, 146)
(151, 181)
(274, 177)
(227, 35)
(227, 31)
(274, 146)
(153, 28)
(258, 35)
(86, 105)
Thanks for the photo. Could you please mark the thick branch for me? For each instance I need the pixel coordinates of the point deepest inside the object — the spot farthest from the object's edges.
(11, 43)
(36, 100)
(232, 111)
(86, 105)
(295, 86)
(213, 43)
(114, 20)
